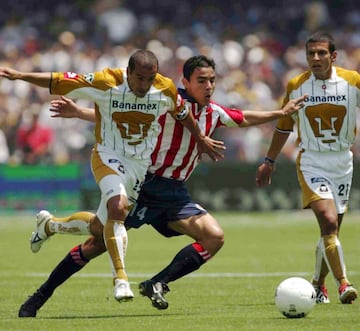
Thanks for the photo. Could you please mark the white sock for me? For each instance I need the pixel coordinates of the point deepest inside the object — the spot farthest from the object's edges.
(116, 243)
(75, 227)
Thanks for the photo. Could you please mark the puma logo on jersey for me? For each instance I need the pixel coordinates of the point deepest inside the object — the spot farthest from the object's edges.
(326, 120)
(133, 126)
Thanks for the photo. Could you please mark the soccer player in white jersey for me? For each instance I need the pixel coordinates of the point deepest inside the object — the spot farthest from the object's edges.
(128, 104)
(164, 201)
(326, 131)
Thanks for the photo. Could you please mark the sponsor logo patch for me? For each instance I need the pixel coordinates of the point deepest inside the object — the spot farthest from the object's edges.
(319, 180)
(70, 75)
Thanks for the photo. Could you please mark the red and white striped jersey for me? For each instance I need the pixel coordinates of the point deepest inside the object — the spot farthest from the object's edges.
(176, 155)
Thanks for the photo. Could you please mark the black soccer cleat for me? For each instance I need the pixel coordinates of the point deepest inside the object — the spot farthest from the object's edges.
(155, 291)
(30, 307)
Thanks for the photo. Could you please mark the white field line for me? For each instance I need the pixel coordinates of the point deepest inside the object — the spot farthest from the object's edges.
(195, 275)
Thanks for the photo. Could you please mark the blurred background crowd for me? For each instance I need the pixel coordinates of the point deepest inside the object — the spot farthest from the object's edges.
(257, 47)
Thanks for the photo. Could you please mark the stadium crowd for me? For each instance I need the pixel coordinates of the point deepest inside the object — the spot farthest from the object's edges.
(256, 49)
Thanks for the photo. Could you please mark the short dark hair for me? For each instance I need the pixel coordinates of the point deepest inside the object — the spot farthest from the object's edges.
(321, 36)
(195, 62)
(143, 57)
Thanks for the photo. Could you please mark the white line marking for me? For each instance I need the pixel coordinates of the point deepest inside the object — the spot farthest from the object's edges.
(195, 275)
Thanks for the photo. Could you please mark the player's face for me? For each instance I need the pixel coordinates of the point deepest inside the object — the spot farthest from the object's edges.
(201, 85)
(141, 78)
(320, 59)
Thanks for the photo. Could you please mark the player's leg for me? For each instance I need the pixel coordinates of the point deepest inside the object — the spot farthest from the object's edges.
(47, 225)
(320, 273)
(168, 207)
(115, 237)
(115, 234)
(331, 248)
(73, 262)
(118, 181)
(322, 270)
(209, 238)
(325, 183)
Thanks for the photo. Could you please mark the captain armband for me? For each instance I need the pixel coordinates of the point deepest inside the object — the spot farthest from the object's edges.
(183, 113)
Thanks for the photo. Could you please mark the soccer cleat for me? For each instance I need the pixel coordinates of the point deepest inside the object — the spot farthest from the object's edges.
(347, 293)
(322, 295)
(155, 291)
(39, 236)
(30, 307)
(122, 291)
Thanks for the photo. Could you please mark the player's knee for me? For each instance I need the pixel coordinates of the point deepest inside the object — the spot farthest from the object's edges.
(219, 238)
(117, 208)
(216, 232)
(328, 222)
(213, 240)
(212, 233)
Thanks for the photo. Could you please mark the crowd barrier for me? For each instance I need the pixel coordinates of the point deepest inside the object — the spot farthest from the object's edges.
(40, 187)
(218, 186)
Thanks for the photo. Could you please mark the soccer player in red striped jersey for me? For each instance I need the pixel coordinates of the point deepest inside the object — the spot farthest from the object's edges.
(164, 201)
(128, 103)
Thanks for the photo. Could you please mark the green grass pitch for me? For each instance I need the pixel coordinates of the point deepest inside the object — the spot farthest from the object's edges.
(233, 291)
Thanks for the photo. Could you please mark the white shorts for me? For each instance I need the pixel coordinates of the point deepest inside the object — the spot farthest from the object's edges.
(325, 176)
(116, 176)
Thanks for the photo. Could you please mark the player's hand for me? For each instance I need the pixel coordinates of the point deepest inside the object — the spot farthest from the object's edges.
(64, 107)
(9, 73)
(263, 174)
(214, 148)
(294, 105)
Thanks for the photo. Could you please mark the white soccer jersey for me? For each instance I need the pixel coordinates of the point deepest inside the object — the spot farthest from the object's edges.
(125, 124)
(327, 123)
(175, 155)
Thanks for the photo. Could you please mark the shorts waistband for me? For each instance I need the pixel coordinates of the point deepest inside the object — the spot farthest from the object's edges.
(150, 176)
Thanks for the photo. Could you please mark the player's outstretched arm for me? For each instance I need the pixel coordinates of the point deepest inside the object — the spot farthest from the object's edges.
(254, 117)
(67, 108)
(41, 79)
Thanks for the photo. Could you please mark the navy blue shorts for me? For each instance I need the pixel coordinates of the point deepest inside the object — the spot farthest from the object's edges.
(162, 200)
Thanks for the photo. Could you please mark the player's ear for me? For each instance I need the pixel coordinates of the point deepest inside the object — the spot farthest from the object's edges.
(333, 56)
(185, 82)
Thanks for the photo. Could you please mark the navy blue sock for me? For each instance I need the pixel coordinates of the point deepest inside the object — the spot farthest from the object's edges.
(72, 263)
(186, 261)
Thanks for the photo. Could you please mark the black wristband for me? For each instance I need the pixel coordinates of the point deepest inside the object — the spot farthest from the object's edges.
(269, 160)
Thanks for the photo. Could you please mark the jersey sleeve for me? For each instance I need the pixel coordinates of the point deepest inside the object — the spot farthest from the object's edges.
(230, 117)
(353, 77)
(84, 85)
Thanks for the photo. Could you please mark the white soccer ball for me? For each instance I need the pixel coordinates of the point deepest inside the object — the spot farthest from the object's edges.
(295, 297)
